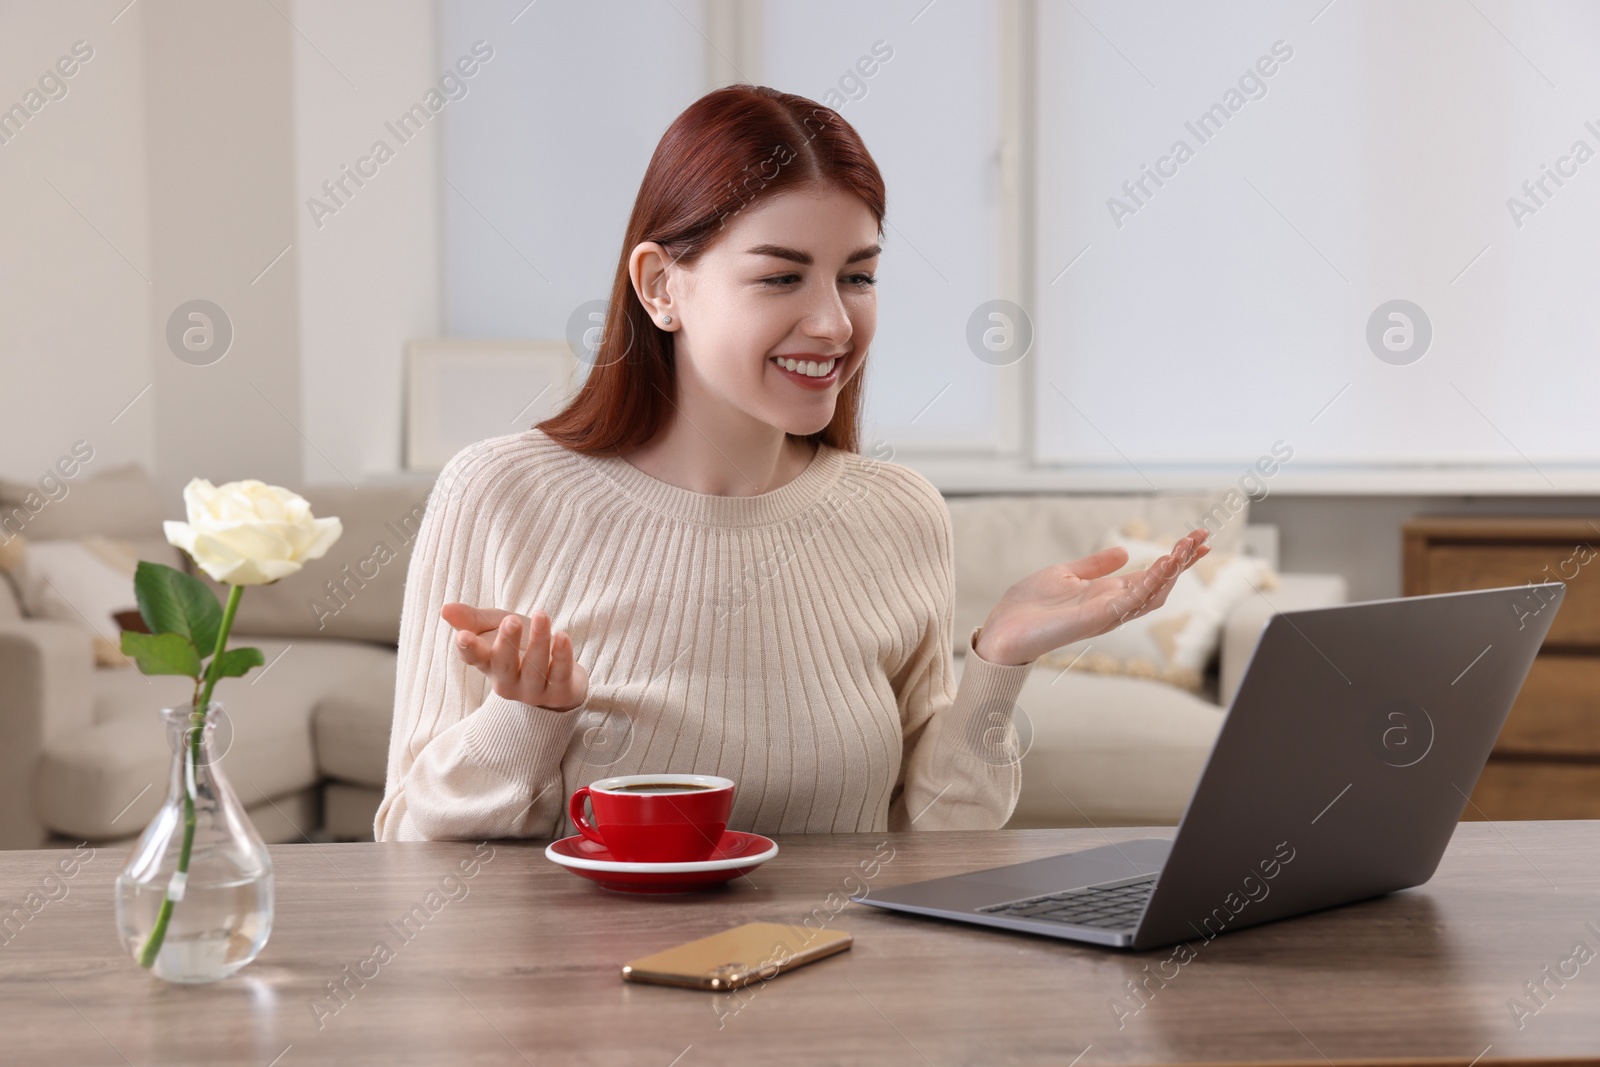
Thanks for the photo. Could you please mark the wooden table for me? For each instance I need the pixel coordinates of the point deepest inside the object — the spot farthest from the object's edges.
(519, 964)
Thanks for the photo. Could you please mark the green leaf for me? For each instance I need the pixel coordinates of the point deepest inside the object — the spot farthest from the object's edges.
(236, 662)
(162, 653)
(172, 602)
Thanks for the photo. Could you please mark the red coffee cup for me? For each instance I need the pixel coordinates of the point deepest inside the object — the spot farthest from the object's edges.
(655, 818)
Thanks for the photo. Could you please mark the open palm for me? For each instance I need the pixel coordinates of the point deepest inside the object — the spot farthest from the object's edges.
(1067, 602)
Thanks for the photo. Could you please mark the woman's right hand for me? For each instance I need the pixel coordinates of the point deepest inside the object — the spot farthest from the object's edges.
(544, 673)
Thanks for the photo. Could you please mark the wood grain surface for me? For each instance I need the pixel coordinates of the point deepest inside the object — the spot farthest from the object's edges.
(519, 964)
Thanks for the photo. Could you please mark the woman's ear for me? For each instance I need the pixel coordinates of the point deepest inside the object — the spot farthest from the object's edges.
(648, 265)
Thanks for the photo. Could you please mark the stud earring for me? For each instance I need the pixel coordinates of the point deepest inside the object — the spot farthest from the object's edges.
(666, 320)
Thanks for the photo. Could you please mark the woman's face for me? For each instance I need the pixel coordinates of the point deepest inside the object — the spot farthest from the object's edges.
(790, 278)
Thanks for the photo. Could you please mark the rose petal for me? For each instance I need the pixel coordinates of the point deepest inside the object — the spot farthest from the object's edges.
(257, 539)
(179, 534)
(325, 533)
(261, 572)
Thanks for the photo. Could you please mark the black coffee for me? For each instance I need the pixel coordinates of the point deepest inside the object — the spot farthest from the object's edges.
(660, 787)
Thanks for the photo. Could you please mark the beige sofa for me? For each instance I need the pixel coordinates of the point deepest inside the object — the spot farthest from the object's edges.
(83, 755)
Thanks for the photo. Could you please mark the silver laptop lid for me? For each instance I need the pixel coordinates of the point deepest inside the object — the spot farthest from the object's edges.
(1347, 756)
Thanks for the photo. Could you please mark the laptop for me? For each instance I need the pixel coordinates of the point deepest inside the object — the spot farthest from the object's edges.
(1341, 769)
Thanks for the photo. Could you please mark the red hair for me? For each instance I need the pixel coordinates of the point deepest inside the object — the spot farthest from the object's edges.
(713, 161)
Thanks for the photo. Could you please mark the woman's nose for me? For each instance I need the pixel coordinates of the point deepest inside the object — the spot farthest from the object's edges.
(828, 320)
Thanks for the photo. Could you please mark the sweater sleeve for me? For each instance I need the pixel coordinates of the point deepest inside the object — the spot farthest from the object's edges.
(960, 768)
(464, 762)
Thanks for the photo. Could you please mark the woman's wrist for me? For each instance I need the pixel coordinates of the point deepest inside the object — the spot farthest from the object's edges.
(994, 651)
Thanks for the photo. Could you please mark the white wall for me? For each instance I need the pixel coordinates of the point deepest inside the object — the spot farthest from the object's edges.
(187, 146)
(75, 258)
(161, 177)
(219, 142)
(1230, 308)
(369, 272)
(545, 157)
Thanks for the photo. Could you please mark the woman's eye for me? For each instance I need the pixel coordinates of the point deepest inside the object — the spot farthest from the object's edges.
(861, 280)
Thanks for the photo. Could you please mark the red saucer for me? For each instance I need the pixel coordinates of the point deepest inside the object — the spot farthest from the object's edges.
(736, 853)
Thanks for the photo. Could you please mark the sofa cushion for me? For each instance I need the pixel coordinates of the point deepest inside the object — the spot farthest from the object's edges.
(1101, 750)
(13, 547)
(351, 726)
(87, 777)
(119, 501)
(10, 605)
(281, 820)
(1000, 539)
(355, 591)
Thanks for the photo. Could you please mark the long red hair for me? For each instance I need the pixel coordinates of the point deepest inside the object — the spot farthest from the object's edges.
(715, 159)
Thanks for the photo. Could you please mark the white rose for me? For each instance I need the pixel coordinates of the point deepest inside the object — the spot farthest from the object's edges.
(250, 533)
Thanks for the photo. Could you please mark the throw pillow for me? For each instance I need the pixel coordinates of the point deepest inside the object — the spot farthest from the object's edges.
(1175, 642)
(87, 581)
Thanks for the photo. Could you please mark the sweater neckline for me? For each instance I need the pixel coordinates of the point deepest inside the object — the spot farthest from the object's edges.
(763, 509)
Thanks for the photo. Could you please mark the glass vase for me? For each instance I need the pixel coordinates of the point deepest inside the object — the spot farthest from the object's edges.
(196, 906)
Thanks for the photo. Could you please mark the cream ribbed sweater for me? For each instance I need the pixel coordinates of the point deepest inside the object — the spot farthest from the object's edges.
(798, 642)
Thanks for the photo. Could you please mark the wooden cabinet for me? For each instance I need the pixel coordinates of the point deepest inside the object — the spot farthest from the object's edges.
(1546, 762)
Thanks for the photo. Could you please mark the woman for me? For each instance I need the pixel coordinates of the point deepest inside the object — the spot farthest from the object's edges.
(751, 596)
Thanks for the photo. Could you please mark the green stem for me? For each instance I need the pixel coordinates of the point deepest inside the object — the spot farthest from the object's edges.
(197, 720)
(215, 665)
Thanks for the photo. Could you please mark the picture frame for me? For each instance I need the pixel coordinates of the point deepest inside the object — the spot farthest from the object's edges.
(461, 390)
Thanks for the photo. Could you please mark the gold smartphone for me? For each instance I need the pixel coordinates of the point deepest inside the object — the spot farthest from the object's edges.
(736, 957)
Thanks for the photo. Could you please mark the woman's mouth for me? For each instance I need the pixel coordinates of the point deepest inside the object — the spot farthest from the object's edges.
(811, 374)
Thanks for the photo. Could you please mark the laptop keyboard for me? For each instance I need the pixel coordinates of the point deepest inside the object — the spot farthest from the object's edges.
(1112, 906)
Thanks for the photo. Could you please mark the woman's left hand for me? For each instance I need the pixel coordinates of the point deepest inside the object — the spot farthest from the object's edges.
(1068, 602)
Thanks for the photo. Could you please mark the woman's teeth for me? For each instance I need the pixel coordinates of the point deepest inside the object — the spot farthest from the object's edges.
(810, 369)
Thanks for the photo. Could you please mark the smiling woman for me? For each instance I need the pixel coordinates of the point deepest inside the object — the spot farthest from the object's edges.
(715, 435)
(754, 233)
